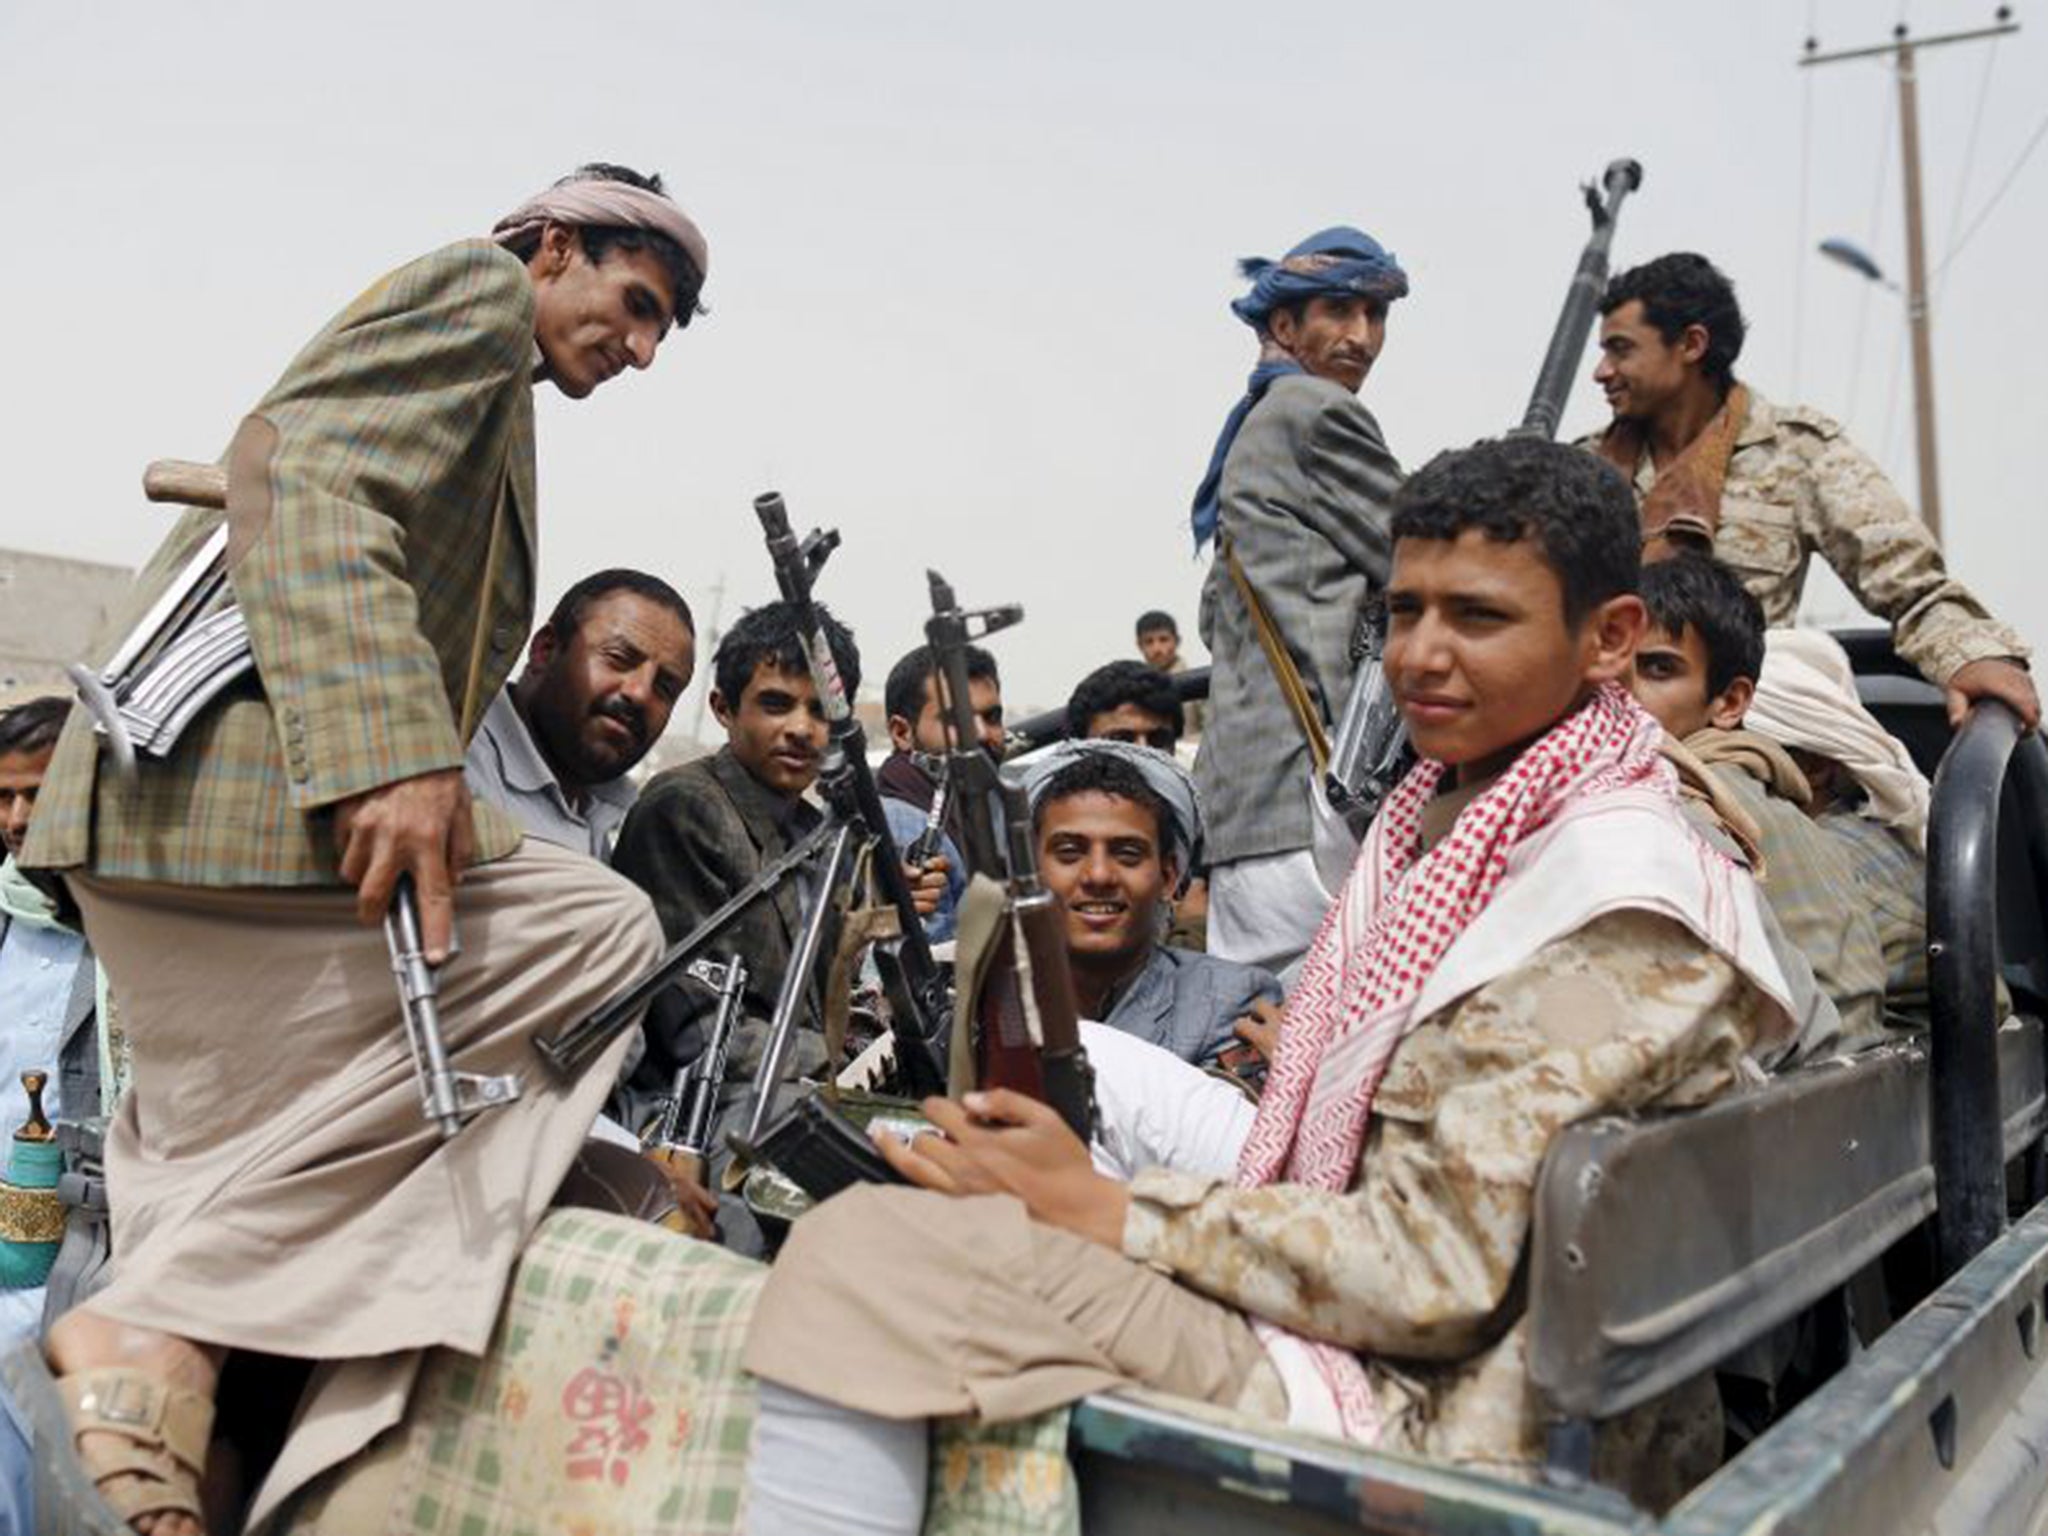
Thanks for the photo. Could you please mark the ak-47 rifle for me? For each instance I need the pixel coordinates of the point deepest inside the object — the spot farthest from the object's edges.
(920, 1012)
(915, 984)
(682, 1133)
(447, 1097)
(1369, 752)
(1027, 1026)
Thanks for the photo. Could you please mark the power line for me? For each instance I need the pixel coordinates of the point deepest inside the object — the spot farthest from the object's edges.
(2005, 186)
(1884, 165)
(1805, 199)
(1955, 218)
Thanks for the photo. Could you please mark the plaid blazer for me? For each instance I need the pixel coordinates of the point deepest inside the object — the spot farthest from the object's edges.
(366, 494)
(1314, 545)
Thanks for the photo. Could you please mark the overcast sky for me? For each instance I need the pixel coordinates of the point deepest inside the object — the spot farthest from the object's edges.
(970, 262)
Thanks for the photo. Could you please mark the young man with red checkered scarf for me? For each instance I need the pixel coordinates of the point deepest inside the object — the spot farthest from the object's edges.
(1531, 936)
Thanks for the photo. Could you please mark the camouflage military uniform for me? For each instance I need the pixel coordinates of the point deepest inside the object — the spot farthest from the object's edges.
(1414, 1266)
(1797, 485)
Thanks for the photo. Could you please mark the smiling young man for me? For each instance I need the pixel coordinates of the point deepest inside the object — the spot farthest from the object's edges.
(1764, 488)
(602, 675)
(1288, 504)
(1531, 936)
(1118, 827)
(271, 1171)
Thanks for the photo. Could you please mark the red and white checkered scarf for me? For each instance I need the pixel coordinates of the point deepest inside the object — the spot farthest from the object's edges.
(1399, 912)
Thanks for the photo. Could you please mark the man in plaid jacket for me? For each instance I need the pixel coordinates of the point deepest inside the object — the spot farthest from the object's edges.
(273, 1183)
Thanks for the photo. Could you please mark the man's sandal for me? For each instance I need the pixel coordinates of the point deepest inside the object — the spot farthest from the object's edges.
(163, 1430)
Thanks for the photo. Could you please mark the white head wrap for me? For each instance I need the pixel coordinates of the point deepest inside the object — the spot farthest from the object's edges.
(1806, 699)
(1162, 773)
(594, 201)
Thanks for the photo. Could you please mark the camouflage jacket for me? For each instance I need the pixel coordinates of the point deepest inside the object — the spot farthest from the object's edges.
(1415, 1266)
(1797, 485)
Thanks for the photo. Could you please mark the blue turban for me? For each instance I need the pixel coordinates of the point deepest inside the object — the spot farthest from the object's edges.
(1333, 263)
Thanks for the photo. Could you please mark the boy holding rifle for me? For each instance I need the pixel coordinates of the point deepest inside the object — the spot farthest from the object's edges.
(1531, 936)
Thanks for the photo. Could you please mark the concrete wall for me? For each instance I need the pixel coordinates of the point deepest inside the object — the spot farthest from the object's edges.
(51, 612)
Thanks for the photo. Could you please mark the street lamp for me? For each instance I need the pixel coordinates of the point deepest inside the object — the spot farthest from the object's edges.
(1857, 260)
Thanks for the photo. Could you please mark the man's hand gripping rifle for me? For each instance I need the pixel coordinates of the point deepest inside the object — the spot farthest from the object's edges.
(1026, 1031)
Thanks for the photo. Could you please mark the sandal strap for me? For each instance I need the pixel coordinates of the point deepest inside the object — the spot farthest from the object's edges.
(166, 1430)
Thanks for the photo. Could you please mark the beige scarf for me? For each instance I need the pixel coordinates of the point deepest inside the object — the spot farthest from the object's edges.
(1683, 508)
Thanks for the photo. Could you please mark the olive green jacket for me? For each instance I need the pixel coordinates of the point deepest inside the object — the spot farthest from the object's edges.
(382, 547)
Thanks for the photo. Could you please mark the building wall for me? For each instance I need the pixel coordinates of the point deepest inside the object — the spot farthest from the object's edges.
(51, 612)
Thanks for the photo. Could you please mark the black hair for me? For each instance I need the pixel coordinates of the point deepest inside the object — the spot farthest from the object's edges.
(579, 599)
(1107, 774)
(1694, 590)
(33, 726)
(770, 633)
(1573, 504)
(904, 694)
(600, 240)
(1154, 619)
(1684, 289)
(1124, 682)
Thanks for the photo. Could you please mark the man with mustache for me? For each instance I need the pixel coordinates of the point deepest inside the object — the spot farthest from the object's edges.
(602, 675)
(1301, 545)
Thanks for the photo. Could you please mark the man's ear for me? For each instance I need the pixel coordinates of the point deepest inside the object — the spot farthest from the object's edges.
(1169, 867)
(1611, 633)
(902, 735)
(542, 649)
(559, 245)
(1284, 328)
(1726, 708)
(721, 709)
(1693, 342)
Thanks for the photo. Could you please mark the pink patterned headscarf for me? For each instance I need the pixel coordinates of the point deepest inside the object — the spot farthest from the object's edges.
(597, 201)
(1400, 912)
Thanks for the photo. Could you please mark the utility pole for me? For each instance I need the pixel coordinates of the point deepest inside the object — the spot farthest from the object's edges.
(1903, 49)
(706, 648)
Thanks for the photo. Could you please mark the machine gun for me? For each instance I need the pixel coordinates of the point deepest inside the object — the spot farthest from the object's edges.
(1369, 752)
(1026, 1032)
(916, 987)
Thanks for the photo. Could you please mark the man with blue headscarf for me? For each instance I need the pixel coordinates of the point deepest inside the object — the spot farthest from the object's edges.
(1292, 503)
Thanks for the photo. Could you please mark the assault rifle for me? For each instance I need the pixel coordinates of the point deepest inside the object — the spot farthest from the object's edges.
(682, 1133)
(447, 1097)
(1026, 1032)
(1369, 753)
(920, 1012)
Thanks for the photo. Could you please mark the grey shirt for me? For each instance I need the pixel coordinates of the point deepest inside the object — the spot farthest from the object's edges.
(1313, 544)
(505, 768)
(1187, 1002)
